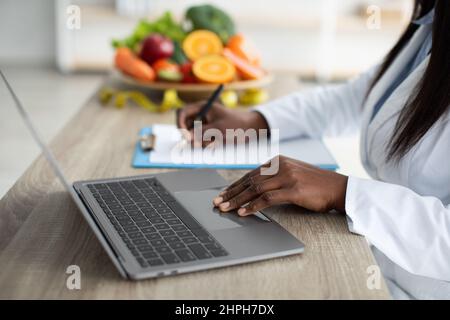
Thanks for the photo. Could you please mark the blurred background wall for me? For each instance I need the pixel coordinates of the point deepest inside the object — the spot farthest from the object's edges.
(27, 32)
(328, 38)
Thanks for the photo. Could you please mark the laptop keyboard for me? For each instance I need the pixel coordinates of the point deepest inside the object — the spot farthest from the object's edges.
(155, 228)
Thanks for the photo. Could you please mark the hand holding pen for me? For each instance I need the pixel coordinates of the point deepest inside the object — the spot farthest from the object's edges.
(215, 115)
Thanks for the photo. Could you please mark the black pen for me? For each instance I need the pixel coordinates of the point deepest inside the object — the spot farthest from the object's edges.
(201, 116)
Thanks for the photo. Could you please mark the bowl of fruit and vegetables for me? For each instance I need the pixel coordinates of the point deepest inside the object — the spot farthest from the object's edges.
(165, 54)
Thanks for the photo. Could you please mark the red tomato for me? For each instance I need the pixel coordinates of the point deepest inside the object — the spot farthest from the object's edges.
(186, 70)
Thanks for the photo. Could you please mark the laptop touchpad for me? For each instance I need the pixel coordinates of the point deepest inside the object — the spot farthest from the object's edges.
(199, 204)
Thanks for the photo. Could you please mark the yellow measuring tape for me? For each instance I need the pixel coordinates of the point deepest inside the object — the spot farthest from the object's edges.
(171, 100)
(121, 98)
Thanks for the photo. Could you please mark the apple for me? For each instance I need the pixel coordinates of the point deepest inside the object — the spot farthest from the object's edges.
(156, 47)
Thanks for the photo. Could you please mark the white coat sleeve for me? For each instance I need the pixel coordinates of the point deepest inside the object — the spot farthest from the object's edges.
(411, 230)
(324, 111)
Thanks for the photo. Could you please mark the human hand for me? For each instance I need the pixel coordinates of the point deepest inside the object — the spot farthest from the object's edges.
(295, 182)
(220, 118)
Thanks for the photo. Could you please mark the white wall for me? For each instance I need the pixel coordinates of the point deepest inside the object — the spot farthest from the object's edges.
(27, 31)
(290, 34)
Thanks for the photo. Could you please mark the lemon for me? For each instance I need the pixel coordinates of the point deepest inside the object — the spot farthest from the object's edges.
(229, 98)
(170, 101)
(253, 96)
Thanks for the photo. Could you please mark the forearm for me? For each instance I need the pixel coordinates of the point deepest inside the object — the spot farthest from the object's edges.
(324, 111)
(411, 230)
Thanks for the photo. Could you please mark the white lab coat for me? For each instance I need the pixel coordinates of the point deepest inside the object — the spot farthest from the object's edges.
(405, 211)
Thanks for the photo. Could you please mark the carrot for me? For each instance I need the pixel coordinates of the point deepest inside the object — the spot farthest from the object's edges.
(127, 62)
(245, 68)
(244, 48)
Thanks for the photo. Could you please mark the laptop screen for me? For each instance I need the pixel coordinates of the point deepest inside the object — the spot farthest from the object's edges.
(25, 141)
(24, 144)
(29, 125)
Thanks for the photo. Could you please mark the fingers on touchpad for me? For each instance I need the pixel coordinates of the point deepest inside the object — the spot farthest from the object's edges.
(199, 204)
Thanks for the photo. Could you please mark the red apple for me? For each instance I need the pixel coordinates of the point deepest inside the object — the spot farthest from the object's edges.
(156, 47)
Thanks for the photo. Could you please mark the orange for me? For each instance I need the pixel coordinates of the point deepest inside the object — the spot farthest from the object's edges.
(213, 69)
(201, 43)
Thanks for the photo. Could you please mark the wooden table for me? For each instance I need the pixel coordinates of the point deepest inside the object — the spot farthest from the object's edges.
(42, 232)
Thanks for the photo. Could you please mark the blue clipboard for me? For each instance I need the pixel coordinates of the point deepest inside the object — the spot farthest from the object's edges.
(142, 159)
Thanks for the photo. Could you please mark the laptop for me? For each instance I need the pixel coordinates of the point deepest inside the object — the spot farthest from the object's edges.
(165, 224)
